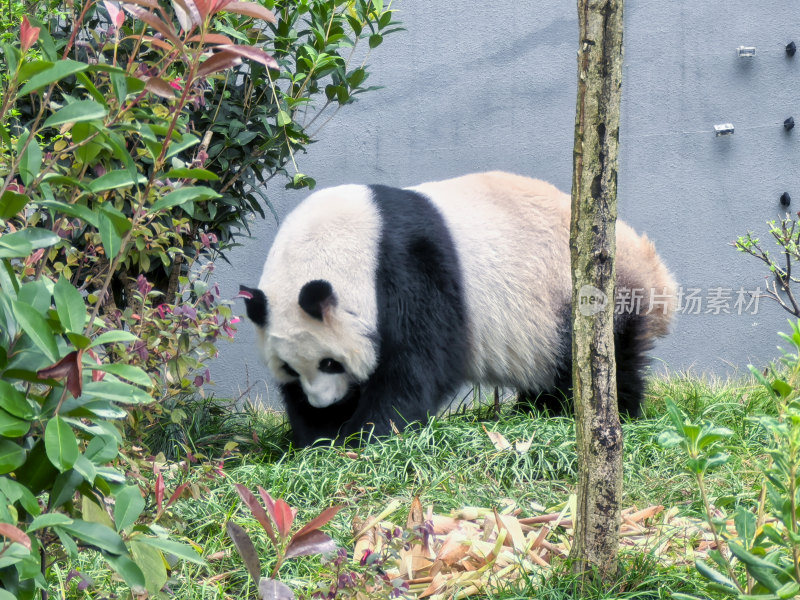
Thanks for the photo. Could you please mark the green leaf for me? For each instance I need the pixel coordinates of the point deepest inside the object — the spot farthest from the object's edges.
(36, 328)
(186, 142)
(11, 203)
(16, 403)
(8, 279)
(150, 561)
(111, 337)
(59, 70)
(745, 523)
(129, 504)
(30, 161)
(90, 87)
(182, 551)
(750, 559)
(36, 474)
(73, 210)
(96, 534)
(12, 456)
(184, 173)
(128, 569)
(183, 195)
(26, 240)
(788, 590)
(49, 519)
(102, 450)
(64, 487)
(375, 40)
(82, 110)
(70, 306)
(4, 595)
(16, 492)
(80, 341)
(284, 118)
(92, 512)
(87, 470)
(112, 228)
(783, 388)
(713, 575)
(12, 427)
(133, 374)
(121, 178)
(61, 444)
(116, 391)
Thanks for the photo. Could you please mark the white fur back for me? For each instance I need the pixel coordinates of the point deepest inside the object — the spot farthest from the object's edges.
(509, 232)
(512, 238)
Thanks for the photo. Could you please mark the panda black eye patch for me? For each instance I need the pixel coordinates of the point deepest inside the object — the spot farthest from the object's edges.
(328, 365)
(290, 371)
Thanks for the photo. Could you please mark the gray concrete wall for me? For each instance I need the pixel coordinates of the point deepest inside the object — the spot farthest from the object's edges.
(470, 89)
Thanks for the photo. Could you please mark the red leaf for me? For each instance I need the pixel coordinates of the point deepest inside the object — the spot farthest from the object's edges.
(285, 517)
(268, 501)
(282, 514)
(159, 492)
(15, 534)
(318, 521)
(70, 368)
(177, 493)
(159, 87)
(250, 9)
(154, 41)
(97, 374)
(211, 38)
(313, 542)
(272, 589)
(245, 548)
(190, 9)
(151, 19)
(256, 54)
(258, 511)
(219, 62)
(148, 3)
(27, 34)
(204, 7)
(117, 16)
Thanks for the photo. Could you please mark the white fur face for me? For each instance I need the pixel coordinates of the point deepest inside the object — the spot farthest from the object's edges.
(324, 378)
(332, 236)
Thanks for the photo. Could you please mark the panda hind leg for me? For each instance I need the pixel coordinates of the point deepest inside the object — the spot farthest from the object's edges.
(555, 401)
(632, 344)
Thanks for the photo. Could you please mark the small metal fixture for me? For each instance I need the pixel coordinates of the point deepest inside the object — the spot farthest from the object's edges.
(791, 48)
(786, 199)
(746, 51)
(723, 129)
(788, 124)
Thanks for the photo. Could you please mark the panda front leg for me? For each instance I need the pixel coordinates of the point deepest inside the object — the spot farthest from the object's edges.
(310, 425)
(395, 396)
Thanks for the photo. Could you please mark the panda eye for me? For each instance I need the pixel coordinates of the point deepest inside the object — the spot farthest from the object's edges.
(290, 371)
(328, 365)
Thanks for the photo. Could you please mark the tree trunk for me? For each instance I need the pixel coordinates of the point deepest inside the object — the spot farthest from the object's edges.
(592, 249)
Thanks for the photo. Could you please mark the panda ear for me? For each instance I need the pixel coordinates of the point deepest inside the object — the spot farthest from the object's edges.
(255, 303)
(316, 298)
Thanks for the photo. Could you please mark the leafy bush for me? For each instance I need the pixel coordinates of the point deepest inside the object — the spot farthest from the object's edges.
(786, 234)
(759, 558)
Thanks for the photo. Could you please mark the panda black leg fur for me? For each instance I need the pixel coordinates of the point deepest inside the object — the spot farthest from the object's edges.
(631, 345)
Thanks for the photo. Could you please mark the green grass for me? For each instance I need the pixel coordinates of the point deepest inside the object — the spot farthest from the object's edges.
(450, 463)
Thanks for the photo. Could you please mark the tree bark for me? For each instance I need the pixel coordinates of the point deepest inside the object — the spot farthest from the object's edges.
(592, 250)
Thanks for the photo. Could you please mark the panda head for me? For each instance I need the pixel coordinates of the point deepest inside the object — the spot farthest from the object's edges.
(312, 340)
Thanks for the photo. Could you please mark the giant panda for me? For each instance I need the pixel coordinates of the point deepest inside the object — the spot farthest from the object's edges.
(376, 303)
